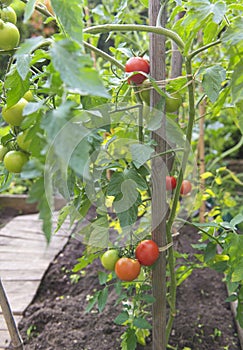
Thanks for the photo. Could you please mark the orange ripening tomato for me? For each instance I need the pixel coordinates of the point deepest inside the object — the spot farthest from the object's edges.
(127, 269)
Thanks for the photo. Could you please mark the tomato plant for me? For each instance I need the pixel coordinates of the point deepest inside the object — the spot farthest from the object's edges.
(14, 161)
(147, 252)
(9, 36)
(97, 145)
(186, 187)
(109, 259)
(127, 269)
(170, 183)
(135, 64)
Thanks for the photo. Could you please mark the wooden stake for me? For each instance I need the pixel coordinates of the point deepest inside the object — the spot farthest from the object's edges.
(157, 70)
(17, 342)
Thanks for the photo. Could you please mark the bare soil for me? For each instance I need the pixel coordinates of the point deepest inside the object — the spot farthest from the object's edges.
(56, 319)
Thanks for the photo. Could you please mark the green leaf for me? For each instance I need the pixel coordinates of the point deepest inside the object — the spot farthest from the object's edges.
(37, 193)
(237, 83)
(71, 17)
(122, 318)
(114, 186)
(145, 3)
(212, 79)
(76, 69)
(32, 169)
(84, 261)
(236, 220)
(102, 277)
(210, 251)
(132, 174)
(204, 8)
(150, 299)
(234, 33)
(237, 274)
(140, 154)
(29, 9)
(23, 54)
(140, 322)
(16, 86)
(239, 315)
(68, 141)
(129, 340)
(92, 302)
(102, 299)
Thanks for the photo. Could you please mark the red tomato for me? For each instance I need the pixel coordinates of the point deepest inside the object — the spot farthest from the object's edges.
(127, 269)
(147, 252)
(186, 187)
(135, 64)
(170, 183)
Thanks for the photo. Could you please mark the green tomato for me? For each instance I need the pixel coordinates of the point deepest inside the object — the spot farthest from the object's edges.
(14, 115)
(9, 36)
(7, 14)
(109, 259)
(3, 151)
(22, 142)
(14, 161)
(173, 103)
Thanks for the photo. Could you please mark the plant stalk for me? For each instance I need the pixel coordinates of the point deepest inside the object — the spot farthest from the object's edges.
(107, 28)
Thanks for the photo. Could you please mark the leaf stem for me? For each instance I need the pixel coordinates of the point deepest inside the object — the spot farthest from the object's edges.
(40, 9)
(203, 48)
(137, 28)
(104, 55)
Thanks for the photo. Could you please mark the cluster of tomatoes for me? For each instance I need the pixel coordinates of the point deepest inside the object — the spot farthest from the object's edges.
(127, 268)
(15, 151)
(173, 99)
(186, 186)
(9, 33)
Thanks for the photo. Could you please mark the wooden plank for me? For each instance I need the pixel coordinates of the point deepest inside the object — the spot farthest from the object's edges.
(4, 334)
(32, 274)
(20, 294)
(18, 244)
(4, 339)
(24, 258)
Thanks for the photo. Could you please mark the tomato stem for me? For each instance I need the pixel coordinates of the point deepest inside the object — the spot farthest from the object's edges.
(104, 55)
(171, 259)
(137, 28)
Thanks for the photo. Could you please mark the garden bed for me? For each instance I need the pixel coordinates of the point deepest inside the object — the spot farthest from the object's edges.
(57, 320)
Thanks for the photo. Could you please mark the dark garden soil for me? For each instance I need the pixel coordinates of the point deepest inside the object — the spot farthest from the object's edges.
(56, 320)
